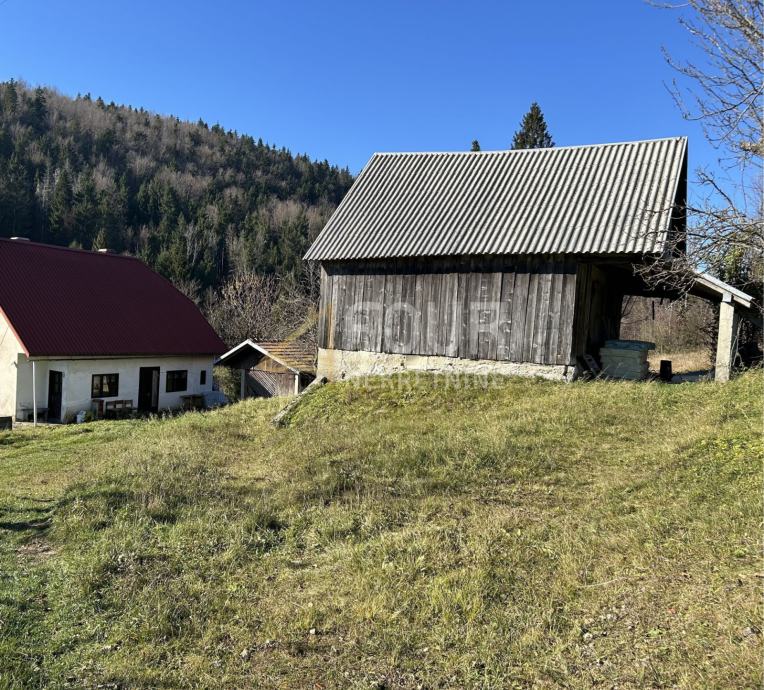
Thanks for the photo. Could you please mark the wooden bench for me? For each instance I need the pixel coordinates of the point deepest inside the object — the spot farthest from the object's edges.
(27, 413)
(192, 402)
(118, 409)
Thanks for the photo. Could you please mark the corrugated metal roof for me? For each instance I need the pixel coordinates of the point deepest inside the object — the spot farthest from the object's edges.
(66, 302)
(602, 199)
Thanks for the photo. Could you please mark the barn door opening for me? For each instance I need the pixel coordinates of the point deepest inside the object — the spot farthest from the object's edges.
(148, 389)
(55, 391)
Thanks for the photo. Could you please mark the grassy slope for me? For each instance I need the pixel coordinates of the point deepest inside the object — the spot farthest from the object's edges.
(533, 533)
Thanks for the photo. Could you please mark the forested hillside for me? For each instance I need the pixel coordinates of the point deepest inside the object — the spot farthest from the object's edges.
(195, 201)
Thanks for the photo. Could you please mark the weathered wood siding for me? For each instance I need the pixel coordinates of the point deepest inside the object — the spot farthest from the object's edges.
(519, 310)
(268, 384)
(599, 296)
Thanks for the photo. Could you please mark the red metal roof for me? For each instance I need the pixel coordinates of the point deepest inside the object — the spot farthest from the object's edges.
(70, 302)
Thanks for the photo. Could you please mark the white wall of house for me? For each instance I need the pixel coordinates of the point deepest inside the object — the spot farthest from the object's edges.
(78, 378)
(24, 385)
(10, 349)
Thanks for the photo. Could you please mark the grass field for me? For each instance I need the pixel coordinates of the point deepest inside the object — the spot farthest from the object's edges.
(407, 536)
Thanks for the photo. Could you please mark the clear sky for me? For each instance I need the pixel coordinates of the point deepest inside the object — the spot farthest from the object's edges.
(340, 80)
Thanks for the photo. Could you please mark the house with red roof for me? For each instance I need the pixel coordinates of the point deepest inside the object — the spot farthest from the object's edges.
(90, 331)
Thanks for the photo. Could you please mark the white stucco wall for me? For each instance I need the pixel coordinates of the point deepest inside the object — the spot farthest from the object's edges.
(24, 384)
(78, 375)
(10, 349)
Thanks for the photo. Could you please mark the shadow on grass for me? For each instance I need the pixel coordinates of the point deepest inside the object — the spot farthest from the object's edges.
(33, 519)
(26, 525)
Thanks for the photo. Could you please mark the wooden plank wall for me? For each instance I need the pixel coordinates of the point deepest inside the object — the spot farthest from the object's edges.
(268, 384)
(519, 310)
(598, 318)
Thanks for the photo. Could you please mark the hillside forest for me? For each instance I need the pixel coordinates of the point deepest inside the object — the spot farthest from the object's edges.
(198, 203)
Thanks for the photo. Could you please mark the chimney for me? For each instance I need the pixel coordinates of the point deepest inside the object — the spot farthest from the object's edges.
(20, 239)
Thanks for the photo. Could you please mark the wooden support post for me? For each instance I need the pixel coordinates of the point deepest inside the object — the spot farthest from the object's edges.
(243, 384)
(297, 384)
(726, 343)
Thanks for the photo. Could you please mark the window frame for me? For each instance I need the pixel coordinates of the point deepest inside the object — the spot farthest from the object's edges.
(171, 376)
(203, 377)
(101, 378)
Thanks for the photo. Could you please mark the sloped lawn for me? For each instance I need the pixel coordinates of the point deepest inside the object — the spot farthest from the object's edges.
(405, 534)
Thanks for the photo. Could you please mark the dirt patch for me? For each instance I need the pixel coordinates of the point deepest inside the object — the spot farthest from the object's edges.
(36, 550)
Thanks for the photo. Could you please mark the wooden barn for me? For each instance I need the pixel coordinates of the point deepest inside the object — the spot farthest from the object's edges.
(270, 369)
(507, 261)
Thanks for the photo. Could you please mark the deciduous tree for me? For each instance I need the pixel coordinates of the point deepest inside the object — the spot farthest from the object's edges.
(723, 91)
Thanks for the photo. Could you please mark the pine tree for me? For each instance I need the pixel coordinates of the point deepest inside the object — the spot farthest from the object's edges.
(61, 215)
(86, 207)
(16, 198)
(475, 145)
(10, 97)
(38, 111)
(100, 241)
(533, 133)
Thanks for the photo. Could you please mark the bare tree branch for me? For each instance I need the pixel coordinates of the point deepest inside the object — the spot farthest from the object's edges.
(723, 91)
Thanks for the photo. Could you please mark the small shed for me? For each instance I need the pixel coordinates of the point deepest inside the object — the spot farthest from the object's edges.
(269, 369)
(511, 262)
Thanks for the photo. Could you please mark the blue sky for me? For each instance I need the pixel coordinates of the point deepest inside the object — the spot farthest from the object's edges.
(340, 80)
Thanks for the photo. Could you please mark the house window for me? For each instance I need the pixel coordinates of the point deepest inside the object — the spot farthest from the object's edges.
(177, 381)
(104, 386)
(203, 378)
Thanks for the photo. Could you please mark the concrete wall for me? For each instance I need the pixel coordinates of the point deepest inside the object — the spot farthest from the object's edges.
(726, 342)
(78, 373)
(10, 349)
(340, 364)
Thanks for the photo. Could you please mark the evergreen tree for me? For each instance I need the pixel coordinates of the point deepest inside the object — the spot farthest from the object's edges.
(86, 207)
(10, 97)
(475, 145)
(533, 133)
(16, 198)
(100, 241)
(38, 111)
(61, 208)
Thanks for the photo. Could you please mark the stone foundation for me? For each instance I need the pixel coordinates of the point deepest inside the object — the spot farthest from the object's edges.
(341, 364)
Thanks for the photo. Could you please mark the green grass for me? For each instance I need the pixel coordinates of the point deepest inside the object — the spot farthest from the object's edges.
(529, 534)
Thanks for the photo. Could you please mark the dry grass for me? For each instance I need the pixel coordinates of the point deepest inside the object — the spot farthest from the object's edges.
(682, 362)
(532, 534)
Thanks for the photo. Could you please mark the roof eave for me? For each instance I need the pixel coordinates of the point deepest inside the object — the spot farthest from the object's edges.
(726, 291)
(14, 331)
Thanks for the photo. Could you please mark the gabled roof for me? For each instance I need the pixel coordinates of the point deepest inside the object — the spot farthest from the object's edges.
(603, 199)
(68, 302)
(293, 355)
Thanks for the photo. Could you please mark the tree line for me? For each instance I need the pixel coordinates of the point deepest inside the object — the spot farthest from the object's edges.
(196, 202)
